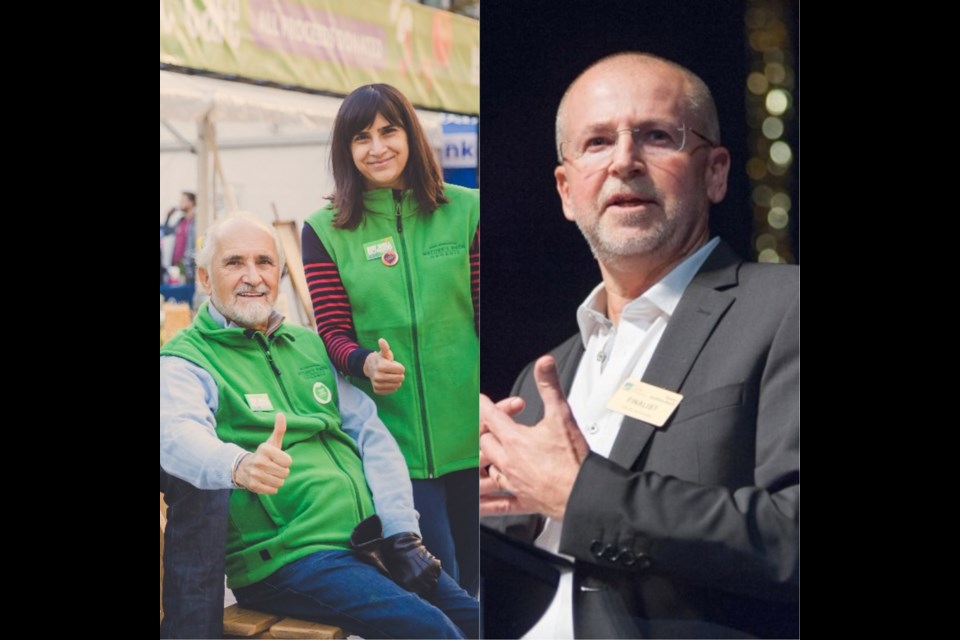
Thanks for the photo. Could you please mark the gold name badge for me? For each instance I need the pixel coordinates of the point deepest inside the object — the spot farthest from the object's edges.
(643, 401)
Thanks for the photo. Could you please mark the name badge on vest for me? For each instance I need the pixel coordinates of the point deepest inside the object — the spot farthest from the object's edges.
(259, 401)
(644, 401)
(376, 249)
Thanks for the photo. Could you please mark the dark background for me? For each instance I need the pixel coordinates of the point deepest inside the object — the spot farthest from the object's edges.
(536, 267)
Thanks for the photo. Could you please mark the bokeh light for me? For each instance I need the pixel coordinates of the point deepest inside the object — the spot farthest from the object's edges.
(770, 117)
(777, 101)
(780, 153)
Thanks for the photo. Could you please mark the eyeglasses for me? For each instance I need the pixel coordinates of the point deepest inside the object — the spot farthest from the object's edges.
(595, 148)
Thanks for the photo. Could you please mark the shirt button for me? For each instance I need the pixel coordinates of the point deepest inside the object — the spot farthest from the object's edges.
(593, 428)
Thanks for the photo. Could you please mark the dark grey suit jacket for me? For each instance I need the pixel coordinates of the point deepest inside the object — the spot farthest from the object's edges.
(692, 529)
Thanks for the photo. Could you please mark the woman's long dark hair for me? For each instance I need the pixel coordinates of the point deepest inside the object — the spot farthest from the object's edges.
(358, 111)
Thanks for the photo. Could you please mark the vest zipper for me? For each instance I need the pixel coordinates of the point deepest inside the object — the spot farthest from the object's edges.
(261, 340)
(336, 461)
(416, 347)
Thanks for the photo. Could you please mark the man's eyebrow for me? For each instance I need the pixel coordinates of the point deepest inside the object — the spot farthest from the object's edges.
(230, 258)
(595, 127)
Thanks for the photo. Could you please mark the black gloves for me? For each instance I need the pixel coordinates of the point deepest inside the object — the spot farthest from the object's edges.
(410, 564)
(402, 557)
(366, 540)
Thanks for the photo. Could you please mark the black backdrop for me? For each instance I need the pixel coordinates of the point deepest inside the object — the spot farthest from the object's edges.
(536, 267)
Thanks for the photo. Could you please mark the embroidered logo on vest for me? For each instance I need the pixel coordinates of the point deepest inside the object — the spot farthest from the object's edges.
(444, 250)
(321, 393)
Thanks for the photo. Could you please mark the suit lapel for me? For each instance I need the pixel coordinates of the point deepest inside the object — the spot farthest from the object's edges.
(567, 356)
(699, 310)
(567, 364)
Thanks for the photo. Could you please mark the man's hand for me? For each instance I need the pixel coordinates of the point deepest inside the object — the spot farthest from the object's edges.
(530, 469)
(402, 557)
(265, 470)
(384, 372)
(511, 406)
(410, 564)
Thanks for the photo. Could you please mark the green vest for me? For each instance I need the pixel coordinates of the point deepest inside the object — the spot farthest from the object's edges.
(422, 305)
(326, 494)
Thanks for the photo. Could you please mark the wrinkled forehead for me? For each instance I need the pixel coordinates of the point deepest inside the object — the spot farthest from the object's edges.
(244, 239)
(626, 94)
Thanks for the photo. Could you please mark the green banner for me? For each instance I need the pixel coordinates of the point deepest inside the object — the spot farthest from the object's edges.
(432, 56)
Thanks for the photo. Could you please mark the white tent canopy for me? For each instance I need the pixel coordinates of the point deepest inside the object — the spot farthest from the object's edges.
(204, 115)
(245, 146)
(186, 97)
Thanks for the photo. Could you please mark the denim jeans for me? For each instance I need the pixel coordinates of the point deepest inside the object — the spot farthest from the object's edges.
(450, 523)
(193, 560)
(336, 587)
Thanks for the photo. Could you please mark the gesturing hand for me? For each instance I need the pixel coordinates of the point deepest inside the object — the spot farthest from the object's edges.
(511, 406)
(536, 465)
(265, 470)
(384, 372)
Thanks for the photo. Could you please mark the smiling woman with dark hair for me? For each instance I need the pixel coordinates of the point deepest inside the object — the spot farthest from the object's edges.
(414, 169)
(392, 264)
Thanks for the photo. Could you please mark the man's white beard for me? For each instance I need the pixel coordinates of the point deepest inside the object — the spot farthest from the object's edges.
(610, 244)
(252, 313)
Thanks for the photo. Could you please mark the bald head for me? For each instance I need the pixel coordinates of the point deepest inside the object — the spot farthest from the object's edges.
(701, 112)
(241, 222)
(239, 267)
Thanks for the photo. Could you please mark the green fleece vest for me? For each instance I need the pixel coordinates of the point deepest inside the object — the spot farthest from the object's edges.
(325, 495)
(422, 305)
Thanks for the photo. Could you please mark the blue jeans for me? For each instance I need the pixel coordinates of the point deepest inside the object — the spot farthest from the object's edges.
(336, 587)
(450, 523)
(193, 560)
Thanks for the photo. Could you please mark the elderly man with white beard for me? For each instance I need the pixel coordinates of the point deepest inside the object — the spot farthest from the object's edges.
(264, 444)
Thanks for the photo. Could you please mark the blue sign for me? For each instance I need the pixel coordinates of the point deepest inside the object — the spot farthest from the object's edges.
(460, 149)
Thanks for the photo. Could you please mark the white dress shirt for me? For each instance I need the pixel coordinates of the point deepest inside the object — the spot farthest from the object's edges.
(612, 353)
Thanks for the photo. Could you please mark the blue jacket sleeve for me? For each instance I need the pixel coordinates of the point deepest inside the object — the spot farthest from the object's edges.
(383, 464)
(189, 447)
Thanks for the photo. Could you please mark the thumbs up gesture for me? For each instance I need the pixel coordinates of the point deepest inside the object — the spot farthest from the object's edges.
(384, 372)
(265, 470)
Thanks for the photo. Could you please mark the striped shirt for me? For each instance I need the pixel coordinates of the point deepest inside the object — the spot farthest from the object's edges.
(331, 304)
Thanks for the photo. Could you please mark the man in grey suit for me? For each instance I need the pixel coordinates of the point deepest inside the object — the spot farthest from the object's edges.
(662, 448)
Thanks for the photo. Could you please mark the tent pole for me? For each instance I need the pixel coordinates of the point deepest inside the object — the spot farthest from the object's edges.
(203, 175)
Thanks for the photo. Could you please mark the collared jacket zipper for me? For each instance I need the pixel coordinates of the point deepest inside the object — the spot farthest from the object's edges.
(262, 341)
(405, 259)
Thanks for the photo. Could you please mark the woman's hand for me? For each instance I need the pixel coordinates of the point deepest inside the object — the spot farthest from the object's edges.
(384, 372)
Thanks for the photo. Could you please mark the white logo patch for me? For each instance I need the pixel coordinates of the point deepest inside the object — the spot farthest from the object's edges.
(321, 393)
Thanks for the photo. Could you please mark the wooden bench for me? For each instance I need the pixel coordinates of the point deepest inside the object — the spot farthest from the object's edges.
(245, 623)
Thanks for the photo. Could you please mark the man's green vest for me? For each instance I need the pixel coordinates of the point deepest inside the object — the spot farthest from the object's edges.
(325, 495)
(421, 303)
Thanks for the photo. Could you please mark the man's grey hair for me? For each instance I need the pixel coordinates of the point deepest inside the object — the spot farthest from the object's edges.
(212, 238)
(700, 102)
